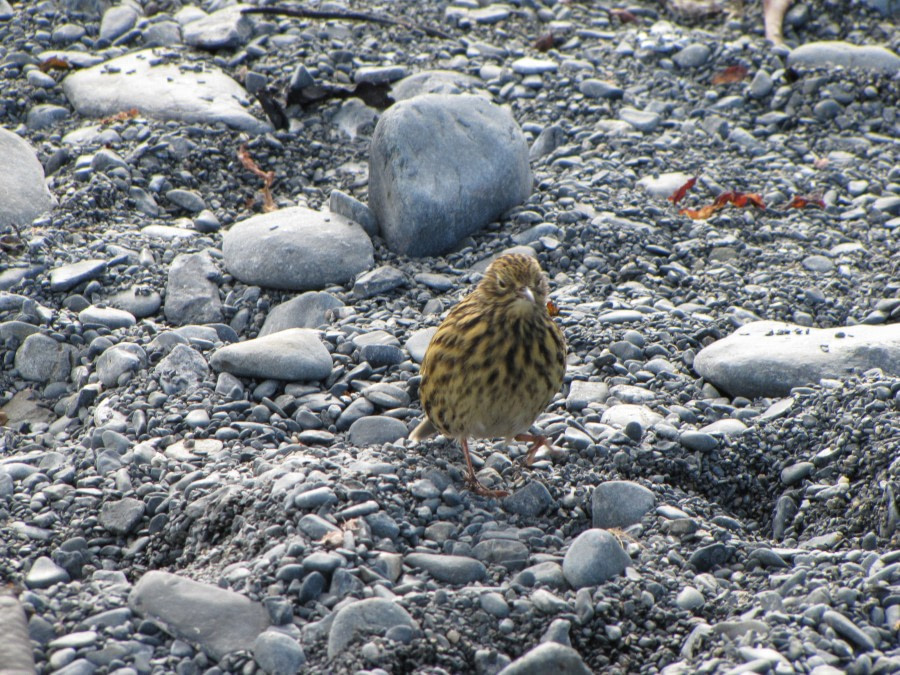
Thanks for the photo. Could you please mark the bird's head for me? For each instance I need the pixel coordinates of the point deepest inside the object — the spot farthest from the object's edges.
(517, 282)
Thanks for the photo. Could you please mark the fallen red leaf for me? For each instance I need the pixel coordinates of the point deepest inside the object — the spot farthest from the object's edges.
(802, 201)
(552, 309)
(730, 75)
(679, 194)
(545, 42)
(702, 213)
(623, 15)
(738, 199)
(54, 63)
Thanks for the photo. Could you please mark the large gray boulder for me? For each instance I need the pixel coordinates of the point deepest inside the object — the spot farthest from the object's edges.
(443, 166)
(23, 194)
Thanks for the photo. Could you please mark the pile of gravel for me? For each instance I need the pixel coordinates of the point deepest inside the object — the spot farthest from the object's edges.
(205, 403)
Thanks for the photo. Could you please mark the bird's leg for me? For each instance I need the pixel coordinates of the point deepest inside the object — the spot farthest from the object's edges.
(536, 443)
(473, 482)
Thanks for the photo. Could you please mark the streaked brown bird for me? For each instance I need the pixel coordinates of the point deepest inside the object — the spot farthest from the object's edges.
(494, 363)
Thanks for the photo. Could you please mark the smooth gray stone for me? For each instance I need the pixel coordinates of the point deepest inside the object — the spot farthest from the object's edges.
(547, 141)
(837, 53)
(192, 295)
(295, 354)
(582, 393)
(692, 56)
(698, 440)
(121, 516)
(120, 359)
(189, 200)
(40, 358)
(352, 209)
(160, 91)
(600, 89)
(297, 249)
(226, 28)
(848, 630)
(117, 21)
(277, 653)
(377, 281)
(769, 358)
(450, 569)
(365, 617)
(140, 301)
(379, 74)
(619, 503)
(309, 310)
(220, 621)
(418, 342)
(549, 657)
(69, 276)
(594, 557)
(23, 193)
(106, 316)
(162, 34)
(639, 119)
(45, 115)
(182, 370)
(441, 167)
(528, 65)
(433, 82)
(528, 501)
(44, 573)
(509, 553)
(376, 430)
(623, 414)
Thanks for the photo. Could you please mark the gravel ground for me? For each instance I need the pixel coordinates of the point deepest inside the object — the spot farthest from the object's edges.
(767, 542)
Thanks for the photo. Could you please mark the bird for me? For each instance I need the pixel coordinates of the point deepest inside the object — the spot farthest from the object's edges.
(494, 363)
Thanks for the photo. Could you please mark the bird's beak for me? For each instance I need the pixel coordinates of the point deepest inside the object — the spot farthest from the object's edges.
(526, 293)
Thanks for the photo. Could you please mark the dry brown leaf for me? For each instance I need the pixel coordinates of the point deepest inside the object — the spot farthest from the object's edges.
(268, 177)
(730, 75)
(679, 194)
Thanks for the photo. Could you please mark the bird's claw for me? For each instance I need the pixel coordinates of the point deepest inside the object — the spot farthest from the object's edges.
(479, 489)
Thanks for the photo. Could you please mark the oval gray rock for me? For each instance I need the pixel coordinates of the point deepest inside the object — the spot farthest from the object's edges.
(443, 166)
(620, 503)
(295, 354)
(594, 557)
(297, 249)
(373, 615)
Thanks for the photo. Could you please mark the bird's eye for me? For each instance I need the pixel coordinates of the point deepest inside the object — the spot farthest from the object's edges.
(501, 284)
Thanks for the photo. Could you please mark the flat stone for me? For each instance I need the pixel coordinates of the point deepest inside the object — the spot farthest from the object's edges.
(837, 53)
(295, 354)
(769, 358)
(69, 276)
(450, 569)
(160, 90)
(192, 294)
(220, 621)
(297, 249)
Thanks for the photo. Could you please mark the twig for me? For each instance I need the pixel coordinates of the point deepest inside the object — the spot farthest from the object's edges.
(348, 15)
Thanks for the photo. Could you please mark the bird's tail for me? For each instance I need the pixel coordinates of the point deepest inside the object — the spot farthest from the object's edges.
(424, 430)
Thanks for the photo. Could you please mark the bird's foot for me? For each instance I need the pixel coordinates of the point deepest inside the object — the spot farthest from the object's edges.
(536, 443)
(480, 489)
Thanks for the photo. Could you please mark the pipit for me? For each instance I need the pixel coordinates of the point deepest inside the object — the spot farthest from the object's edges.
(494, 363)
